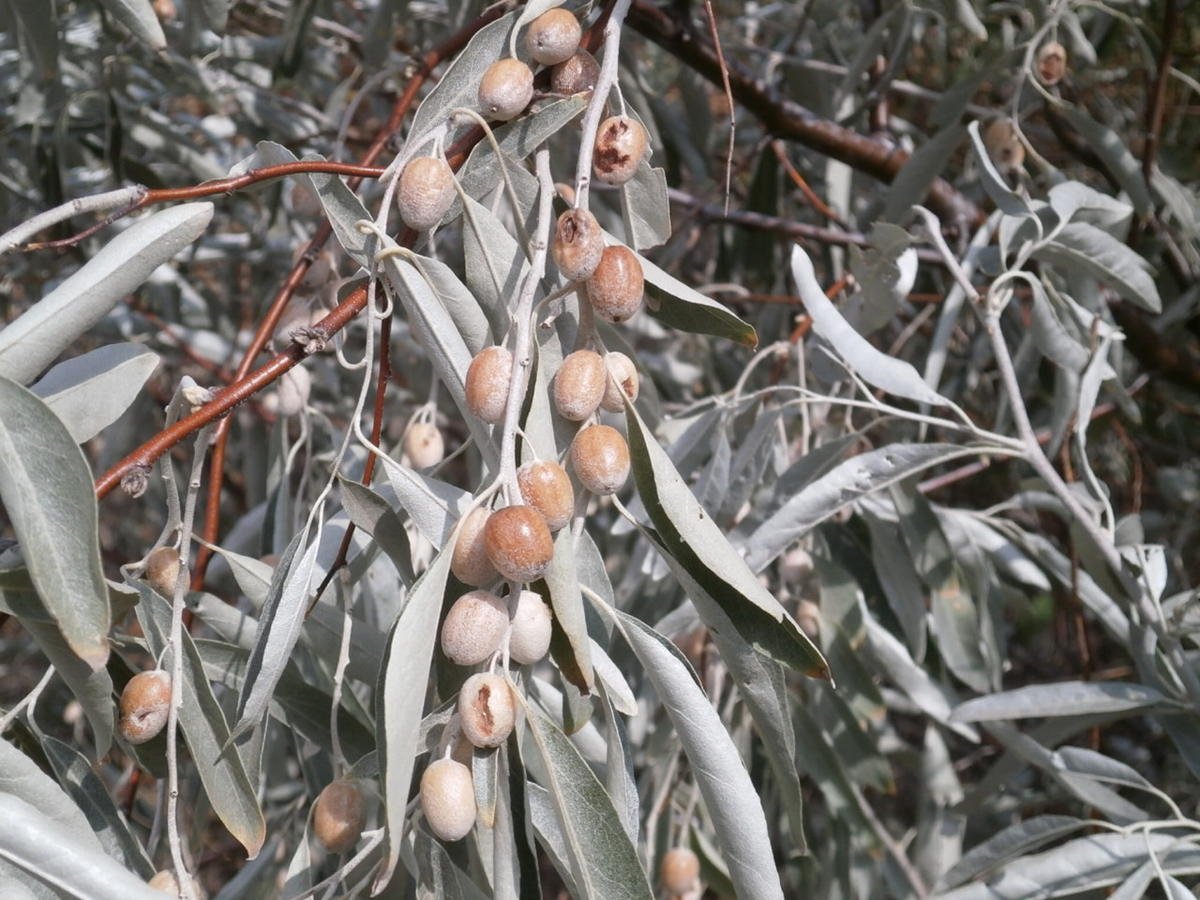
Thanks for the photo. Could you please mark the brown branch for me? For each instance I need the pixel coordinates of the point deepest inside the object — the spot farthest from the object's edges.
(797, 179)
(784, 118)
(1158, 97)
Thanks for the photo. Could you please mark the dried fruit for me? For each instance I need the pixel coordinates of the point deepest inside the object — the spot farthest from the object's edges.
(579, 385)
(518, 543)
(162, 570)
(679, 870)
(469, 562)
(425, 193)
(600, 458)
(616, 287)
(1052, 63)
(339, 815)
(488, 378)
(505, 89)
(620, 146)
(529, 639)
(553, 37)
(578, 244)
(622, 379)
(474, 628)
(1003, 145)
(545, 486)
(575, 75)
(448, 799)
(487, 709)
(145, 703)
(423, 445)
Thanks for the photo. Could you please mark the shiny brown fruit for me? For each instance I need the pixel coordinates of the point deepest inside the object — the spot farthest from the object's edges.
(600, 458)
(474, 628)
(425, 193)
(162, 570)
(1051, 63)
(487, 709)
(553, 37)
(145, 704)
(518, 543)
(679, 870)
(575, 75)
(529, 640)
(469, 562)
(579, 385)
(616, 288)
(488, 379)
(620, 147)
(622, 380)
(448, 799)
(505, 89)
(545, 486)
(424, 446)
(578, 244)
(339, 815)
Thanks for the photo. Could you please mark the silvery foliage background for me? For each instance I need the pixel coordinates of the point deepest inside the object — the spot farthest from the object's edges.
(968, 748)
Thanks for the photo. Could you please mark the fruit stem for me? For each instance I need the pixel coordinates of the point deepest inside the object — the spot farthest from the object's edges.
(595, 109)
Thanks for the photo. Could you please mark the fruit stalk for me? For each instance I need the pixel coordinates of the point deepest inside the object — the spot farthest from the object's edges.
(599, 99)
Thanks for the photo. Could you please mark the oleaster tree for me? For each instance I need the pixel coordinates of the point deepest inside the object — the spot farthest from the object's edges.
(392, 508)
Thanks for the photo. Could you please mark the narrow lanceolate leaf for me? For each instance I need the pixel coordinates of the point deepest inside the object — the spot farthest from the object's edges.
(1117, 158)
(1024, 837)
(562, 579)
(848, 482)
(1101, 255)
(52, 324)
(90, 392)
(434, 506)
(687, 309)
(139, 17)
(1009, 201)
(46, 490)
(603, 861)
(21, 777)
(219, 766)
(874, 366)
(35, 843)
(692, 540)
(729, 794)
(1066, 698)
(402, 689)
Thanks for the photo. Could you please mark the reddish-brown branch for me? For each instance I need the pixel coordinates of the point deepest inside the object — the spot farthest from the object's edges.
(1156, 109)
(810, 195)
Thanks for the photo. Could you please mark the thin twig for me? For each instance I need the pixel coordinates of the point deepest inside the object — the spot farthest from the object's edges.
(599, 100)
(711, 18)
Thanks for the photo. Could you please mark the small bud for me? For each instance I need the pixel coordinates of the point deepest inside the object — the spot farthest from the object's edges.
(578, 244)
(600, 459)
(487, 709)
(616, 287)
(339, 815)
(579, 385)
(553, 37)
(423, 445)
(144, 706)
(469, 562)
(545, 486)
(529, 640)
(622, 379)
(162, 571)
(505, 89)
(1052, 63)
(518, 543)
(448, 799)
(488, 379)
(575, 75)
(679, 871)
(619, 149)
(425, 193)
(474, 628)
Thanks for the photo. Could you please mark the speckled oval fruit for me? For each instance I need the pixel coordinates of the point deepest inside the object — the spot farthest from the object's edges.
(505, 89)
(679, 870)
(545, 486)
(578, 244)
(1052, 63)
(488, 379)
(339, 815)
(620, 146)
(474, 628)
(600, 459)
(575, 75)
(553, 37)
(529, 640)
(487, 710)
(145, 703)
(424, 446)
(293, 389)
(622, 380)
(448, 799)
(518, 543)
(425, 193)
(579, 385)
(469, 562)
(616, 288)
(1003, 145)
(162, 570)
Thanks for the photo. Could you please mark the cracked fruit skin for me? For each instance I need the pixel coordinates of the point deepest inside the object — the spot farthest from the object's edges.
(518, 543)
(487, 710)
(578, 244)
(448, 799)
(339, 815)
(619, 149)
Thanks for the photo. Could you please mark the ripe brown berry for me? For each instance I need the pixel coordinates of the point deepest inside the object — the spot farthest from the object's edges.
(518, 543)
(339, 815)
(616, 287)
(679, 871)
(162, 570)
(423, 445)
(488, 378)
(600, 458)
(145, 703)
(487, 709)
(1003, 145)
(505, 89)
(579, 385)
(1052, 63)
(474, 628)
(578, 244)
(553, 37)
(425, 193)
(448, 799)
(469, 562)
(575, 75)
(620, 146)
(529, 639)
(622, 379)
(545, 486)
